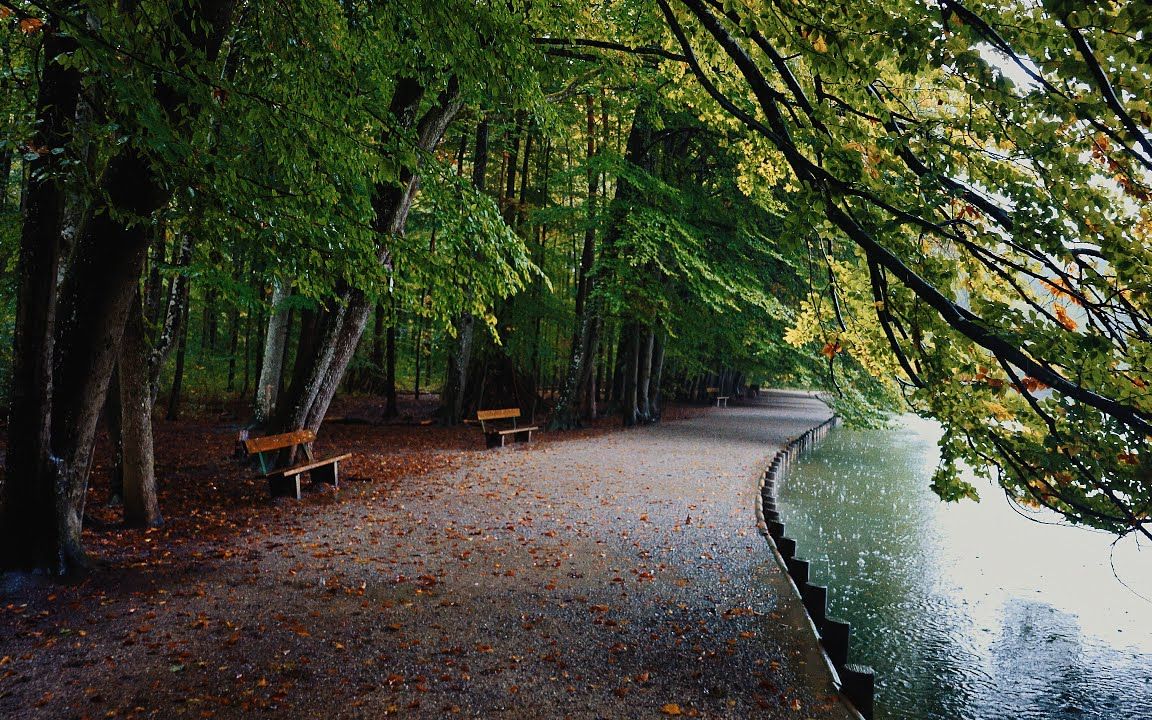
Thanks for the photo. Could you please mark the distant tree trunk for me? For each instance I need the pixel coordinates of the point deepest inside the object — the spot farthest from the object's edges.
(376, 357)
(573, 395)
(390, 409)
(174, 313)
(141, 506)
(655, 394)
(31, 534)
(272, 362)
(249, 342)
(631, 374)
(208, 326)
(418, 351)
(5, 173)
(233, 345)
(173, 412)
(644, 376)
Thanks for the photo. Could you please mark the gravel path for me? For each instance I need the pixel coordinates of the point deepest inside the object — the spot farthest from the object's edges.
(614, 577)
(617, 576)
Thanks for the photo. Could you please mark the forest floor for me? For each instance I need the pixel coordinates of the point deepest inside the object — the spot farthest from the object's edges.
(594, 574)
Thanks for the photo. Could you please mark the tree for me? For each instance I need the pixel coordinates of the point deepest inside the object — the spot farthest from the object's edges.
(992, 223)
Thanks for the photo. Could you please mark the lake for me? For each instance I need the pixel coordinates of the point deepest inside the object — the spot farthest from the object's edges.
(969, 610)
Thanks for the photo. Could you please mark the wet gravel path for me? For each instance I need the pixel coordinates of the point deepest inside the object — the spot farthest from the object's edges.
(615, 577)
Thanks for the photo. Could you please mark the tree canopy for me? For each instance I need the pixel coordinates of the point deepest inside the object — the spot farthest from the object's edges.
(584, 209)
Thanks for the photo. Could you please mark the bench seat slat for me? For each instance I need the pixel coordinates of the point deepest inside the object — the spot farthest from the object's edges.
(512, 431)
(297, 469)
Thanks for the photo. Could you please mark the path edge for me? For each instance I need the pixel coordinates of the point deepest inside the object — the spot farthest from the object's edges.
(830, 636)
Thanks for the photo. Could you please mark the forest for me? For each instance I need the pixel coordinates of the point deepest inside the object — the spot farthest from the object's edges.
(579, 209)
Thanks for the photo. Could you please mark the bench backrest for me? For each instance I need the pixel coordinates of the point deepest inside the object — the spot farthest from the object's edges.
(502, 414)
(712, 390)
(275, 442)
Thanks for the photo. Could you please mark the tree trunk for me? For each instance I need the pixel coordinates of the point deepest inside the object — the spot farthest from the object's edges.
(175, 311)
(233, 341)
(644, 376)
(418, 352)
(655, 395)
(173, 412)
(272, 364)
(573, 393)
(375, 383)
(141, 505)
(5, 173)
(590, 367)
(30, 531)
(390, 409)
(309, 403)
(631, 374)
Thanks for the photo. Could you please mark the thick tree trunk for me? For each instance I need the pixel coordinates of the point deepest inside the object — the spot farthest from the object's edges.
(101, 283)
(30, 534)
(272, 364)
(141, 505)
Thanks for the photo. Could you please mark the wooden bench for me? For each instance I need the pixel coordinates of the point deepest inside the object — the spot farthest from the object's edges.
(277, 457)
(721, 400)
(495, 434)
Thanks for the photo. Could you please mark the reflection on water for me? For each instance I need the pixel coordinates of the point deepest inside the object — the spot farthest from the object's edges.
(968, 610)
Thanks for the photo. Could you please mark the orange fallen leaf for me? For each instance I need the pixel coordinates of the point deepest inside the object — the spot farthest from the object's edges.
(671, 709)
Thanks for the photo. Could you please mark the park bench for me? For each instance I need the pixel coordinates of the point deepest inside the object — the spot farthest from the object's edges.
(721, 400)
(276, 455)
(495, 432)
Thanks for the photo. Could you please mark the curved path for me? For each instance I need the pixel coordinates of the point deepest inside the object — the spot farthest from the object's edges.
(620, 576)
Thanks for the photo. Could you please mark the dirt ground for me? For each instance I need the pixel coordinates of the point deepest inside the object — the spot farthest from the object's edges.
(594, 574)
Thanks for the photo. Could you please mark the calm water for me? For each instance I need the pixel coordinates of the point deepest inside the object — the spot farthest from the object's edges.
(968, 610)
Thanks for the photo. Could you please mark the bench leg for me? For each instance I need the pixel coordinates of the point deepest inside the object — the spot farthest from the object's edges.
(327, 473)
(284, 485)
(492, 440)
